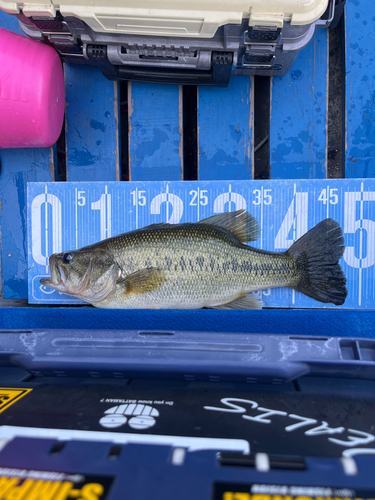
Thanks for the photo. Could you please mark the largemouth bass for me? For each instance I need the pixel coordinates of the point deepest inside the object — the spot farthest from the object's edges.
(206, 264)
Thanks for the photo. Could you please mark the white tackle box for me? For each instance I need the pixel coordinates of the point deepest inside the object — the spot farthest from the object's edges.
(176, 41)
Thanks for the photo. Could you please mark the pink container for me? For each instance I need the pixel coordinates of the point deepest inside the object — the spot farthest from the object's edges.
(31, 92)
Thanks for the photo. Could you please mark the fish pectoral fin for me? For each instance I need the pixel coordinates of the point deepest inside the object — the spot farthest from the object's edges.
(245, 301)
(240, 223)
(142, 281)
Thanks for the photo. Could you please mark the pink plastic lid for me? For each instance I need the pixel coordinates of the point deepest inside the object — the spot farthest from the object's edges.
(31, 92)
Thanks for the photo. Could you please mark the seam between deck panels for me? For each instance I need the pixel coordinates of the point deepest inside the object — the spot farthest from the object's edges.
(327, 95)
(198, 127)
(130, 113)
(270, 118)
(180, 130)
(51, 164)
(310, 146)
(251, 130)
(117, 121)
(347, 102)
(65, 125)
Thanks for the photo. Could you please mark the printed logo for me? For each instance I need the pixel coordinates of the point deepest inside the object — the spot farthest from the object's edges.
(137, 416)
(31, 484)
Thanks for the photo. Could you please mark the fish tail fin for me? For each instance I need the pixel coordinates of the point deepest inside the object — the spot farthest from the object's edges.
(317, 255)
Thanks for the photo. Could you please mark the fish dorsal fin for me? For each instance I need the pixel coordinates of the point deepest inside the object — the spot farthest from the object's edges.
(240, 223)
(142, 281)
(245, 301)
(158, 225)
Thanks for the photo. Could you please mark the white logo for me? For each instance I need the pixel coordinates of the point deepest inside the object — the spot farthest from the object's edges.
(140, 416)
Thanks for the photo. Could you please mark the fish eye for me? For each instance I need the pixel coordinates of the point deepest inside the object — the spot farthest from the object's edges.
(67, 258)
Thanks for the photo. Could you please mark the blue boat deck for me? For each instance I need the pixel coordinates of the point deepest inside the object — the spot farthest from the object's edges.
(315, 122)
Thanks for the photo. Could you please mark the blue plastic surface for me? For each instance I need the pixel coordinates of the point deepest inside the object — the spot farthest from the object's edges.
(298, 128)
(360, 95)
(214, 357)
(155, 132)
(279, 321)
(225, 130)
(91, 125)
(18, 167)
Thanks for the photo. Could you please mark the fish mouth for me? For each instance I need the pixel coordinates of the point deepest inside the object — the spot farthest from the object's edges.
(46, 282)
(57, 279)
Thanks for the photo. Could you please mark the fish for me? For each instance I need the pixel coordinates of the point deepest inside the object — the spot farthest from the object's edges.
(207, 264)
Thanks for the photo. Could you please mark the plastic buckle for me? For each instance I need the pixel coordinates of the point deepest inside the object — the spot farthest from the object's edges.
(257, 61)
(259, 56)
(262, 34)
(50, 26)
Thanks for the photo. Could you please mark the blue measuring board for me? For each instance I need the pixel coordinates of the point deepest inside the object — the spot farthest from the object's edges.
(68, 216)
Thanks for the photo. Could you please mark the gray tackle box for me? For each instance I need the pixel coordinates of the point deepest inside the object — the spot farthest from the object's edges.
(176, 41)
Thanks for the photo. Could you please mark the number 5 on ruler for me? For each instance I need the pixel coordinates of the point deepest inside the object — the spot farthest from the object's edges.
(351, 226)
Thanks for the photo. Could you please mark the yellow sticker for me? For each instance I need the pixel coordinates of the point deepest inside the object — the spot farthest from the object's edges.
(8, 396)
(342, 492)
(30, 484)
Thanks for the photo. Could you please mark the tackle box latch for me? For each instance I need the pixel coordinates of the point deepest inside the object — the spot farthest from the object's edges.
(54, 31)
(262, 34)
(260, 46)
(259, 56)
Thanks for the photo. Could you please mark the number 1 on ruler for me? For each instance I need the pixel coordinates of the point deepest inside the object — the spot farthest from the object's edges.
(104, 206)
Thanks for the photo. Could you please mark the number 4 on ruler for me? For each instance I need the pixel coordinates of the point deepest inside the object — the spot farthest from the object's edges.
(295, 219)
